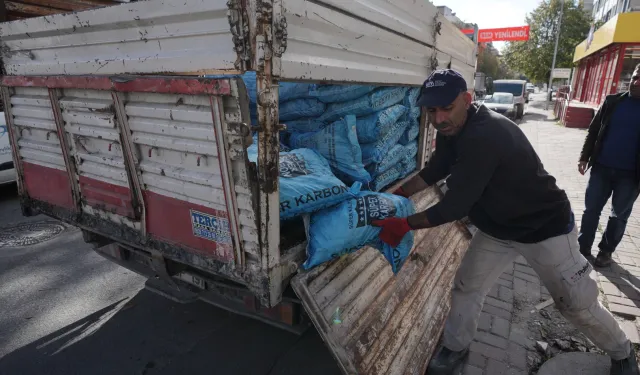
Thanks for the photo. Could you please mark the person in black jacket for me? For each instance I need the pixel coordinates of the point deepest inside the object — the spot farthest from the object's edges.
(612, 151)
(496, 179)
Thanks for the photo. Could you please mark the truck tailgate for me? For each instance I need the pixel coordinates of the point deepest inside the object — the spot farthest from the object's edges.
(378, 323)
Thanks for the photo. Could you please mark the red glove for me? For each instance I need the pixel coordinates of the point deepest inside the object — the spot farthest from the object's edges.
(393, 230)
(400, 191)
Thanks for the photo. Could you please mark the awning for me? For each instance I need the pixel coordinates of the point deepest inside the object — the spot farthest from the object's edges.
(622, 28)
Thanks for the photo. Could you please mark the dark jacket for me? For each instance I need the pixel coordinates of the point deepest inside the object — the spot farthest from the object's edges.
(497, 180)
(598, 129)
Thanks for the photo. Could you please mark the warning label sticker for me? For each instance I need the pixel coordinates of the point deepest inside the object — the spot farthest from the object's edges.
(213, 228)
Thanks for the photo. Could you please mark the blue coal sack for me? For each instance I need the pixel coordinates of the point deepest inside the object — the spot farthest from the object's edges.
(338, 143)
(345, 228)
(375, 126)
(306, 182)
(375, 101)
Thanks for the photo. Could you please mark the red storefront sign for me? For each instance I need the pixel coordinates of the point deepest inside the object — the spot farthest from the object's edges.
(505, 34)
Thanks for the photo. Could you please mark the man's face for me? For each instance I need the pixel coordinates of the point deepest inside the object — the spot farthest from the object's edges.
(449, 120)
(634, 87)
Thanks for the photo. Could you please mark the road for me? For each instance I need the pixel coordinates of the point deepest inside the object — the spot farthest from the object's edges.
(65, 310)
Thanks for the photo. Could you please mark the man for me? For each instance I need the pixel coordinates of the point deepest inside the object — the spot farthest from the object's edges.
(497, 180)
(612, 152)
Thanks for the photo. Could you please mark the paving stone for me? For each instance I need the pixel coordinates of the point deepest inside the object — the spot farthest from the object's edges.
(492, 310)
(533, 291)
(520, 260)
(488, 351)
(626, 260)
(526, 276)
(515, 371)
(525, 269)
(623, 301)
(494, 291)
(500, 327)
(509, 269)
(610, 289)
(517, 356)
(506, 283)
(472, 370)
(505, 294)
(496, 367)
(506, 276)
(519, 286)
(519, 337)
(624, 310)
(631, 330)
(493, 340)
(629, 292)
(497, 303)
(484, 322)
(476, 359)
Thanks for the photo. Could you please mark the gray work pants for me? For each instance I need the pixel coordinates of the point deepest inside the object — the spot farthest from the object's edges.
(567, 275)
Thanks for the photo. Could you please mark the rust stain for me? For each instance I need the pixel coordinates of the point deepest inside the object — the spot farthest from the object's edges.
(21, 9)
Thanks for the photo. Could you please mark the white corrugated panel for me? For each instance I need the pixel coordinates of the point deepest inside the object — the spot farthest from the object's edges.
(451, 41)
(178, 154)
(467, 71)
(142, 37)
(412, 18)
(324, 44)
(38, 141)
(93, 136)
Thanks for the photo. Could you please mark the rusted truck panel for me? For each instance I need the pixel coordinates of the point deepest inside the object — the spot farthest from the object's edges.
(154, 163)
(141, 37)
(378, 323)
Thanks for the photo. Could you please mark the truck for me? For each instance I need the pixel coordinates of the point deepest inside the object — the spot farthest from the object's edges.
(131, 123)
(518, 89)
(480, 84)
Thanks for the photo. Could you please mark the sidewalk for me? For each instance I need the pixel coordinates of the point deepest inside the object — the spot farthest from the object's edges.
(514, 337)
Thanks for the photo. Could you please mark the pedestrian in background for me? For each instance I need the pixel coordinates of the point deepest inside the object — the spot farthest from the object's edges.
(612, 151)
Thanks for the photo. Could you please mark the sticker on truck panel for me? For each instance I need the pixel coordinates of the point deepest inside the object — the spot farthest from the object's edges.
(213, 228)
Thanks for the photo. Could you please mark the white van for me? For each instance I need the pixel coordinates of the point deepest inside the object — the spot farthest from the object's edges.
(7, 171)
(517, 88)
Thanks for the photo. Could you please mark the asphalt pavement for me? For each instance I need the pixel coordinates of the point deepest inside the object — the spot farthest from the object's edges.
(64, 310)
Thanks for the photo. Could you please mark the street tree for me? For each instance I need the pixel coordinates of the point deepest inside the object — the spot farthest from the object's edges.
(487, 62)
(534, 57)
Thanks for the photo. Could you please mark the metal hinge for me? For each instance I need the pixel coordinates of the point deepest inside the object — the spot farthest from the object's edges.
(239, 25)
(280, 45)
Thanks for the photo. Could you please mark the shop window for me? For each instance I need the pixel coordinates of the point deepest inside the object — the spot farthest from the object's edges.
(631, 60)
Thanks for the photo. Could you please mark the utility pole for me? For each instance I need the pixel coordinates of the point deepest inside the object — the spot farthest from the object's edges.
(555, 52)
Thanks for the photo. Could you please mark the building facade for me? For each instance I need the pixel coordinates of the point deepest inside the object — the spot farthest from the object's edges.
(606, 60)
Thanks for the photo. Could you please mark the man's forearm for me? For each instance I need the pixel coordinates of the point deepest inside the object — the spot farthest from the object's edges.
(419, 221)
(414, 185)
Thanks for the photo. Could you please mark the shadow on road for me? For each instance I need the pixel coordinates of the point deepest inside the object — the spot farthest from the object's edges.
(148, 334)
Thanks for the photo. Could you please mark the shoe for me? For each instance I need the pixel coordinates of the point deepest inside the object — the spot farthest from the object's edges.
(446, 361)
(627, 366)
(603, 259)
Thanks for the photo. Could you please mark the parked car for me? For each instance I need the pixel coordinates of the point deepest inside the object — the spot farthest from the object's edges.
(531, 88)
(7, 171)
(503, 103)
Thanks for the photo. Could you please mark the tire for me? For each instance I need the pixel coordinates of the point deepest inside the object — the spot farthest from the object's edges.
(520, 113)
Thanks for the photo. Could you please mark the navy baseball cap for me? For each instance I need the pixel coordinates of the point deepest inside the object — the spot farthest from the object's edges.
(441, 88)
